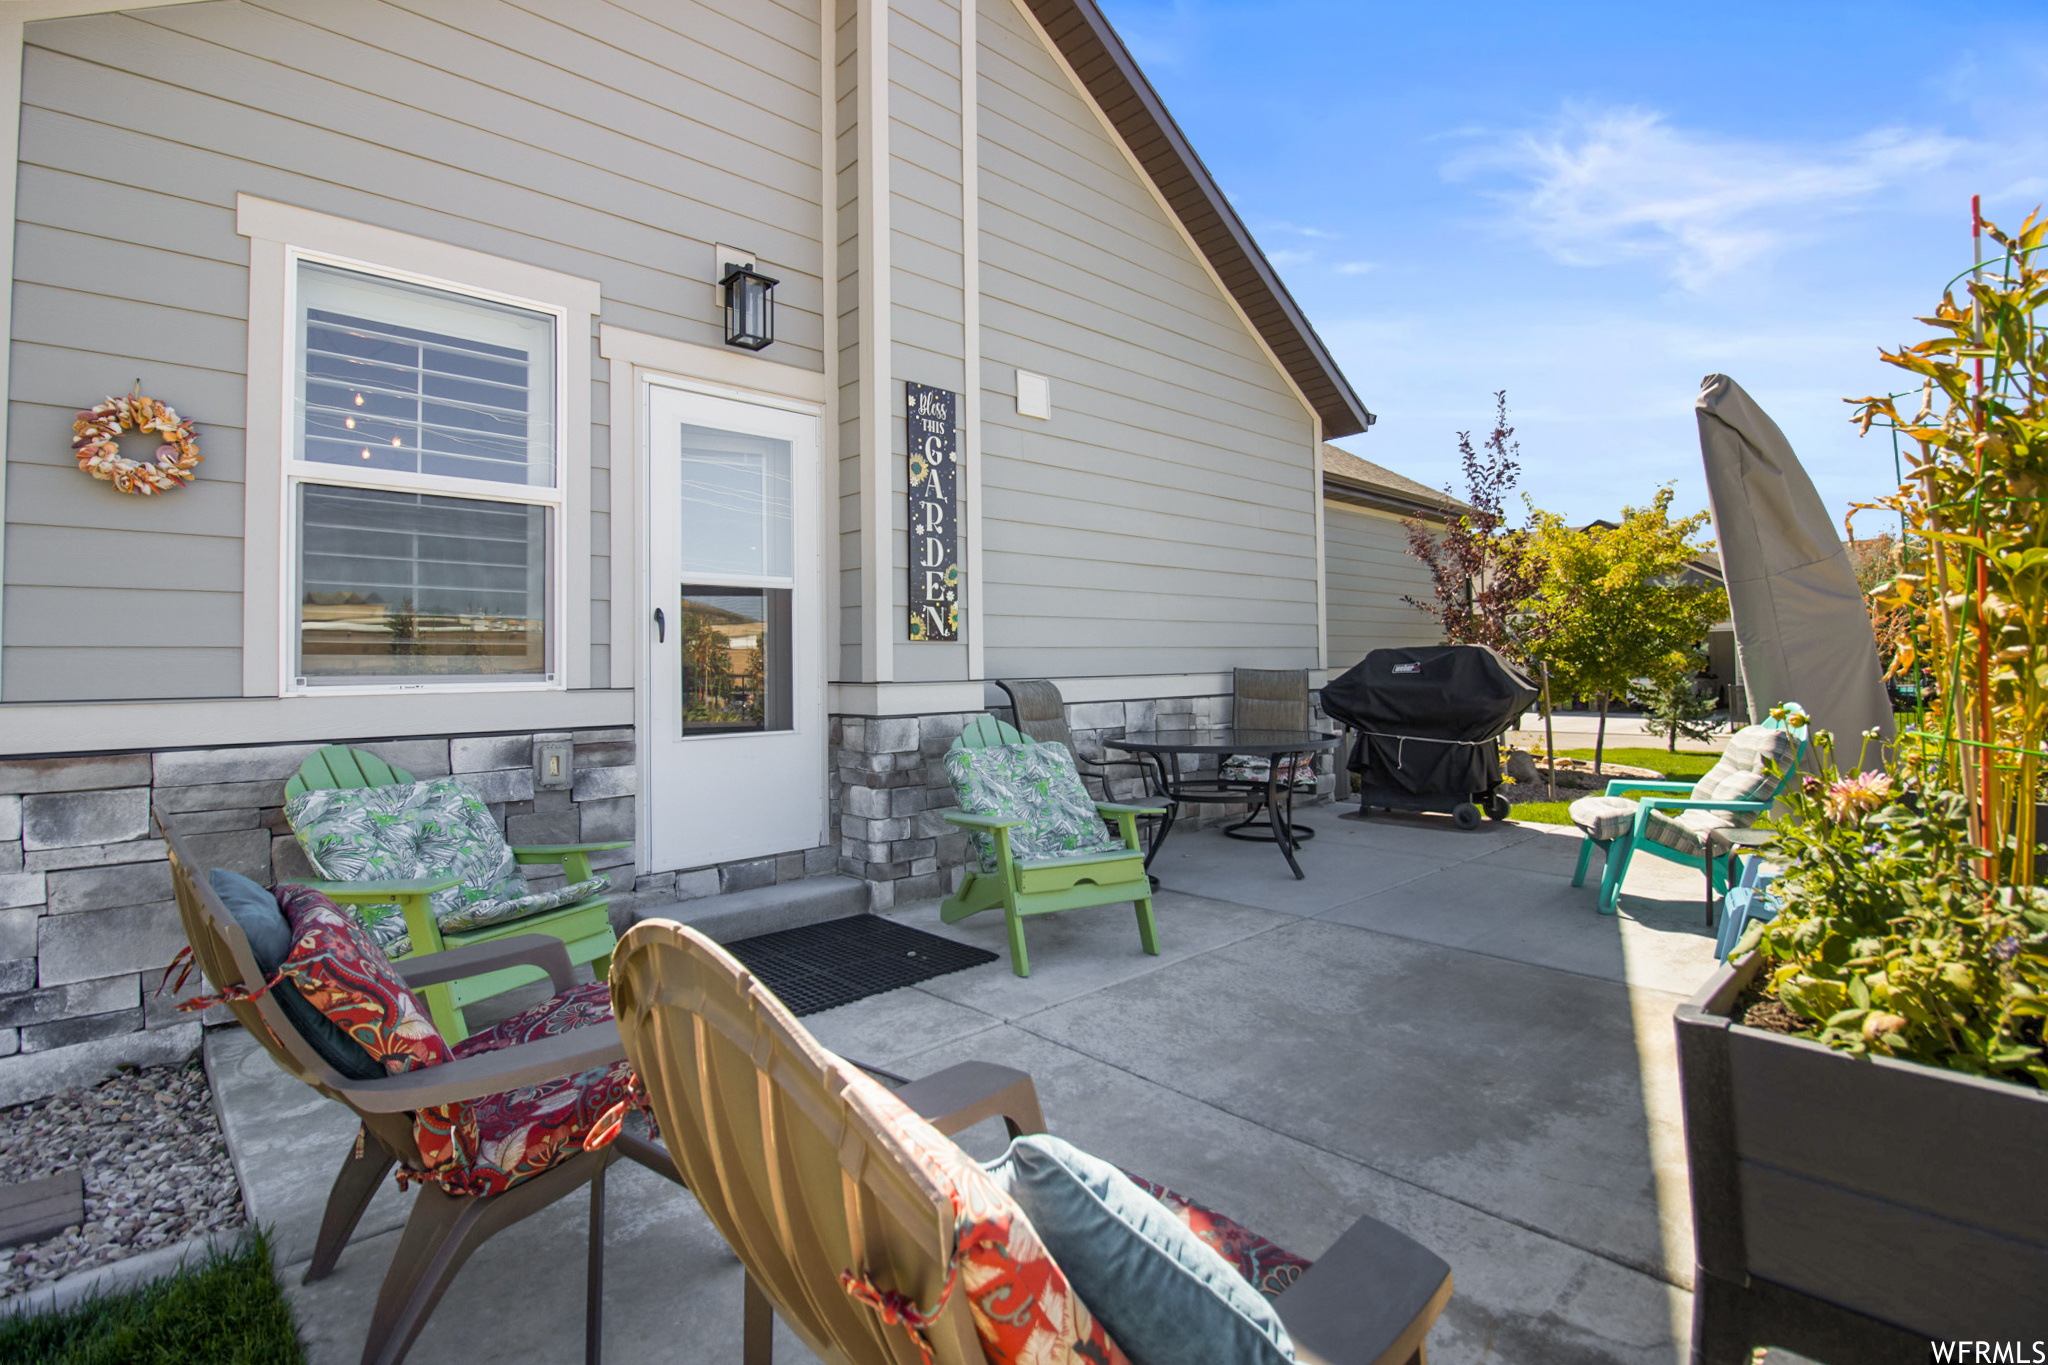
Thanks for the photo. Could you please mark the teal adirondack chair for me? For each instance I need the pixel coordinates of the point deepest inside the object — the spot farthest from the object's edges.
(1048, 848)
(585, 926)
(1671, 820)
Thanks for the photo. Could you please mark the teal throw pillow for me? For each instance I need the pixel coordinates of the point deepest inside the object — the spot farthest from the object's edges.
(255, 909)
(1162, 1295)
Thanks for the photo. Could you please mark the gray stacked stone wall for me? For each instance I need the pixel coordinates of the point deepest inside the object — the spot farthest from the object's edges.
(890, 785)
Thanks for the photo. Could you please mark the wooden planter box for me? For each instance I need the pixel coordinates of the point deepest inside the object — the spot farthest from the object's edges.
(1853, 1210)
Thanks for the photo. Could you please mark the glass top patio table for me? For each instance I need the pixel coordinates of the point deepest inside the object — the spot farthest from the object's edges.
(1278, 798)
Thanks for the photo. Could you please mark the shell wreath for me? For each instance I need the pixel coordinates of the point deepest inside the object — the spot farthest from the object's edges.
(96, 433)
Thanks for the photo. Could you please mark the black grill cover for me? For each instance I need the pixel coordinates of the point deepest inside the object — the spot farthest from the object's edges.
(1400, 700)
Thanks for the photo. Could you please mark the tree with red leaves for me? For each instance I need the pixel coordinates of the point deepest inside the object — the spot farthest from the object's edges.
(1480, 568)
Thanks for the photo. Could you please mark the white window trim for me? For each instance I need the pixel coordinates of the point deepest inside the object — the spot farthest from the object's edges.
(282, 235)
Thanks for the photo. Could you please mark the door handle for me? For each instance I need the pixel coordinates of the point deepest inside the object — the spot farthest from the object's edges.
(660, 627)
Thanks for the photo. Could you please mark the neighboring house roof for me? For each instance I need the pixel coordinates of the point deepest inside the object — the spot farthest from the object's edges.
(1133, 107)
(1350, 479)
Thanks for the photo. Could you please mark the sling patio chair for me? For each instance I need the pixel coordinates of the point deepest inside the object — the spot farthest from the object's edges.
(434, 851)
(1267, 699)
(1038, 839)
(879, 1242)
(1673, 819)
(491, 1129)
(1040, 711)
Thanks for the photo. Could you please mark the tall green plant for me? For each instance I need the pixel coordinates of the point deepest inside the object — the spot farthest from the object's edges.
(1976, 495)
(1890, 941)
(1615, 610)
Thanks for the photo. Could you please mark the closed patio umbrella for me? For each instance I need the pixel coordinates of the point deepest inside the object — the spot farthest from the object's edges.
(1802, 632)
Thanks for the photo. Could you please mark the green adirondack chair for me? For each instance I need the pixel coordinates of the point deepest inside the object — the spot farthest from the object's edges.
(1037, 885)
(584, 927)
(1633, 815)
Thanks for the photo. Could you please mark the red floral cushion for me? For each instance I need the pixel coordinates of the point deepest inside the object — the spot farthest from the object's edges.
(474, 1147)
(342, 973)
(1268, 1268)
(488, 1145)
(1024, 1311)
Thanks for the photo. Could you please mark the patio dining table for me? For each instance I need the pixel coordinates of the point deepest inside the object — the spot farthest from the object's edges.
(1164, 748)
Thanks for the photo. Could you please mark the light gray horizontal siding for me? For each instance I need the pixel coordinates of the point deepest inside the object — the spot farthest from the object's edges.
(1163, 520)
(928, 276)
(1370, 571)
(846, 179)
(615, 141)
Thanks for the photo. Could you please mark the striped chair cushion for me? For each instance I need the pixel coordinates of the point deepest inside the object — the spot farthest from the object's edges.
(1686, 830)
(1744, 771)
(1604, 818)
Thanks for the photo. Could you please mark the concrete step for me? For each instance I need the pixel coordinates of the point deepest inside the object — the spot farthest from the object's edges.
(765, 909)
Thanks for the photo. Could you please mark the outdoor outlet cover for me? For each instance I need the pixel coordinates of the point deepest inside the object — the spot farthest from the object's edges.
(1034, 395)
(554, 765)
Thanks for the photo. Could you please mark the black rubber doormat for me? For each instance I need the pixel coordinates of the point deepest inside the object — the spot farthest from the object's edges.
(822, 966)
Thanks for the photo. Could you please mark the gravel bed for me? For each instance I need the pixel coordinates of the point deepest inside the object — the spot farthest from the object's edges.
(156, 1169)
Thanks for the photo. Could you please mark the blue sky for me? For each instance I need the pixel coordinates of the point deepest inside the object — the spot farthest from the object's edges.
(1593, 206)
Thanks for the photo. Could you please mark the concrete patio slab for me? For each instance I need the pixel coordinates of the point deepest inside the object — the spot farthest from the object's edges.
(1509, 1099)
(1076, 952)
(1514, 1087)
(1520, 1295)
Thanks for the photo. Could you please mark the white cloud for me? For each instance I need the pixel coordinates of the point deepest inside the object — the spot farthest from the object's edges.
(1315, 233)
(1598, 186)
(1357, 267)
(1290, 256)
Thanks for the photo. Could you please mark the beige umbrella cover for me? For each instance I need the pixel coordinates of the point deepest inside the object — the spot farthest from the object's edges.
(1802, 632)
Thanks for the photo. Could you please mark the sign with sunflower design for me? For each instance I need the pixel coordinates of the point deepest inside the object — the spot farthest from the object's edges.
(932, 433)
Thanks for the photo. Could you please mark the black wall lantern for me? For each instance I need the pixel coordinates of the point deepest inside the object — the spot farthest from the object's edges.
(749, 307)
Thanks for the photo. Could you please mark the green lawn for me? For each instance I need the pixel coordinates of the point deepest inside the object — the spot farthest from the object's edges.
(1683, 766)
(227, 1311)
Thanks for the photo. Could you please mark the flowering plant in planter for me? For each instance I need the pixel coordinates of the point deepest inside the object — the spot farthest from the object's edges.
(1891, 942)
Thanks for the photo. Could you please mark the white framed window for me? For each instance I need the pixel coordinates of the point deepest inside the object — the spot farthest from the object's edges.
(430, 506)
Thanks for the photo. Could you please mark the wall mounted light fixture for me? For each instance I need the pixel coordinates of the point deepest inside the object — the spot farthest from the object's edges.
(749, 306)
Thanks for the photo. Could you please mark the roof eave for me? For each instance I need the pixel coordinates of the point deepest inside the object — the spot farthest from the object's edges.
(1098, 56)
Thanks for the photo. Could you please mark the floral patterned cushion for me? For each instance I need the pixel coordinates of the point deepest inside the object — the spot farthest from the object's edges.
(1298, 771)
(488, 1145)
(342, 973)
(475, 1147)
(1035, 783)
(1024, 1311)
(421, 829)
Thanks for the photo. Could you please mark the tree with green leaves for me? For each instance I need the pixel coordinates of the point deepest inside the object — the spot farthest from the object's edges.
(1677, 707)
(1615, 612)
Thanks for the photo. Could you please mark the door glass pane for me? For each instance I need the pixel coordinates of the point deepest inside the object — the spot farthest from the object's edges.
(735, 513)
(735, 658)
(404, 585)
(398, 376)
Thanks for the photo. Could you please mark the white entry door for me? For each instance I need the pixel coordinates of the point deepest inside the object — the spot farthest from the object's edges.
(736, 750)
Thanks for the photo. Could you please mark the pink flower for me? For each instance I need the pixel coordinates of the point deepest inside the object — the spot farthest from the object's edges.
(1849, 798)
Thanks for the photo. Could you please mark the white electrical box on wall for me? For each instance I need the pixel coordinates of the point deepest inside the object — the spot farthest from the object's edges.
(1034, 395)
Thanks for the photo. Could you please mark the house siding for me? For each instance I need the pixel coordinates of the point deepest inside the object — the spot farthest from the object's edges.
(1164, 519)
(643, 134)
(928, 276)
(1370, 571)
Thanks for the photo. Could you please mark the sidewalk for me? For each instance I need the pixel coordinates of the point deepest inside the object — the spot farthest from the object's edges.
(1434, 1028)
